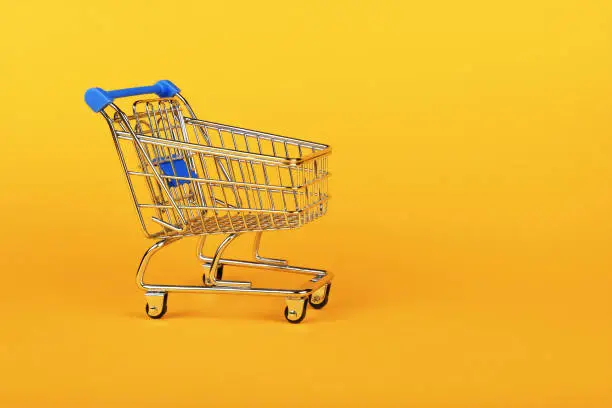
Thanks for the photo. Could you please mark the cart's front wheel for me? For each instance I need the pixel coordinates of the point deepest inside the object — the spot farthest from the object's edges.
(295, 311)
(219, 275)
(319, 297)
(157, 304)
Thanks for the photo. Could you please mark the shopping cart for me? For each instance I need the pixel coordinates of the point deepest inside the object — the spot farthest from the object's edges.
(190, 177)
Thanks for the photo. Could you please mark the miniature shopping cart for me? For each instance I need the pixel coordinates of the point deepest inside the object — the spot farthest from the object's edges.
(190, 177)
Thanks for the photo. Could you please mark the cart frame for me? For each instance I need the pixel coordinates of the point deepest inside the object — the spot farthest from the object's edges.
(176, 194)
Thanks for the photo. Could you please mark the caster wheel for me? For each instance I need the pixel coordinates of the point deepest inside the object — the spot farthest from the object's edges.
(295, 311)
(319, 298)
(157, 305)
(219, 274)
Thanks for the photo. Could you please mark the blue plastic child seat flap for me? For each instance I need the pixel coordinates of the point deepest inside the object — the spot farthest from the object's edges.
(176, 168)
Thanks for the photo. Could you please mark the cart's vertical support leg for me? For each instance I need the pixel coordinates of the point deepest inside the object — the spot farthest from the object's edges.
(200, 249)
(256, 245)
(210, 278)
(147, 257)
(156, 299)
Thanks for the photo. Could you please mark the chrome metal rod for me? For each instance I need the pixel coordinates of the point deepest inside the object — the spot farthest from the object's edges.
(257, 263)
(251, 132)
(256, 245)
(155, 248)
(271, 266)
(304, 291)
(211, 278)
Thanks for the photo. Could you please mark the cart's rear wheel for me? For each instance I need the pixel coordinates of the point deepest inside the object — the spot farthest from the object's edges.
(157, 305)
(319, 298)
(295, 311)
(219, 275)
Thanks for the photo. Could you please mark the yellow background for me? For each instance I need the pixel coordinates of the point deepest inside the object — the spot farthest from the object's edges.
(469, 229)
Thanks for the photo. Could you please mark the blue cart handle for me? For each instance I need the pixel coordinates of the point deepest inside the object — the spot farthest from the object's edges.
(98, 99)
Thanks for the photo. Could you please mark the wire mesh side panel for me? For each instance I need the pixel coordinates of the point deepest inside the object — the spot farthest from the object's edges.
(269, 195)
(222, 179)
(314, 193)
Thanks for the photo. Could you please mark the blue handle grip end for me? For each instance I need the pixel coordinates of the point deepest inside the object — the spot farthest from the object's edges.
(97, 98)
